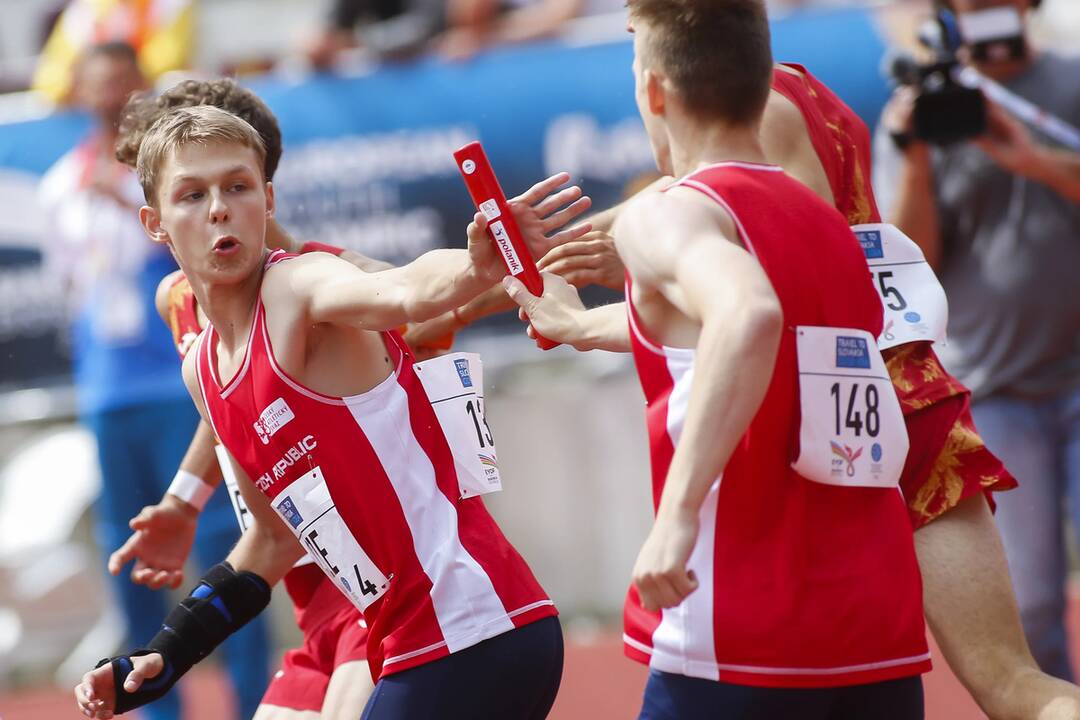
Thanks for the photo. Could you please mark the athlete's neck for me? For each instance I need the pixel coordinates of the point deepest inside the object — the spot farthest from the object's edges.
(695, 144)
(230, 307)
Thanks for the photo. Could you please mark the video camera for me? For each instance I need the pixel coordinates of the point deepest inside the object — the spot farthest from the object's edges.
(945, 110)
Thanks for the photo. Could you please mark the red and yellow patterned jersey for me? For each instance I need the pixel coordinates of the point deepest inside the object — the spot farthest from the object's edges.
(841, 141)
(948, 461)
(182, 315)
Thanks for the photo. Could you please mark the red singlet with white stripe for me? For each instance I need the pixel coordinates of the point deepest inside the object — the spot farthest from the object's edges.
(801, 584)
(454, 579)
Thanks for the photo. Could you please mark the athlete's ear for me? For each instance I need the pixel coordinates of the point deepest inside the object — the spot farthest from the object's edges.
(151, 222)
(655, 92)
(270, 205)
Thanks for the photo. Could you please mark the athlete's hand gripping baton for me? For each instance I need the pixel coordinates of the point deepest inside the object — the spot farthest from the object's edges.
(502, 228)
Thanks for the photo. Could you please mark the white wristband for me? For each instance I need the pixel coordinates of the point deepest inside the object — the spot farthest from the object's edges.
(191, 488)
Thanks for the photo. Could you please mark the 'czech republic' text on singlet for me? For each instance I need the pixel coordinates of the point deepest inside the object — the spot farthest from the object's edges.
(802, 584)
(368, 484)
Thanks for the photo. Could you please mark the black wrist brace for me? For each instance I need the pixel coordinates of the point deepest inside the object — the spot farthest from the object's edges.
(222, 603)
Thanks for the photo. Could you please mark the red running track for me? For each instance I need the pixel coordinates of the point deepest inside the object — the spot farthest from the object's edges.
(598, 682)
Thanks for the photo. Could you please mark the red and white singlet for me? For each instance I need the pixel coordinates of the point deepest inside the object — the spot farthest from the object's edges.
(368, 484)
(802, 584)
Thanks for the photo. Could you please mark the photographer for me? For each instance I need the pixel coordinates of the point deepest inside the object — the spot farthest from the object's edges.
(998, 216)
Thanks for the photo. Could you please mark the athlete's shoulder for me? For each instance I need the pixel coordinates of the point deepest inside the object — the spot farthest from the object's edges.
(170, 286)
(654, 228)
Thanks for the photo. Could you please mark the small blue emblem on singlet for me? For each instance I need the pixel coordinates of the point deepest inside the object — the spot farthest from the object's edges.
(875, 452)
(852, 352)
(290, 513)
(462, 366)
(912, 317)
(870, 241)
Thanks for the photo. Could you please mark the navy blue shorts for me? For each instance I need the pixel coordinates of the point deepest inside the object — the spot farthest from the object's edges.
(513, 676)
(677, 697)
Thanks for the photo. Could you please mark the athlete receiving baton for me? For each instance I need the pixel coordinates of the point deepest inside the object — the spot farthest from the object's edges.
(950, 472)
(348, 448)
(766, 590)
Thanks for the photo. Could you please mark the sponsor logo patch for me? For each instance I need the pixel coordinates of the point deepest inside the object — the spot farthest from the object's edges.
(462, 366)
(288, 511)
(852, 352)
(870, 241)
(277, 415)
(847, 456)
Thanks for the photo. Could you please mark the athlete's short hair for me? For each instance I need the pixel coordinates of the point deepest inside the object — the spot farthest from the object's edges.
(141, 113)
(203, 124)
(717, 53)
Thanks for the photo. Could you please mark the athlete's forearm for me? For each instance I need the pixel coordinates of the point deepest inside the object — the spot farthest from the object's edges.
(604, 328)
(733, 365)
(915, 210)
(437, 282)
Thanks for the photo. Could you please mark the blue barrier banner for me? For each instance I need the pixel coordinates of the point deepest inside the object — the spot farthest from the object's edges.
(367, 162)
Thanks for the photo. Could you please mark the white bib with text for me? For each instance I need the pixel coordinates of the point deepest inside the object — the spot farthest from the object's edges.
(911, 295)
(454, 385)
(852, 431)
(309, 511)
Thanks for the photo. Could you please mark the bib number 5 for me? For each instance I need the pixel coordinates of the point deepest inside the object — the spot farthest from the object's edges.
(912, 298)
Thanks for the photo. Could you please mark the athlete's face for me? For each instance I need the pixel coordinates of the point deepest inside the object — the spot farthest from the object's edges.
(213, 205)
(649, 94)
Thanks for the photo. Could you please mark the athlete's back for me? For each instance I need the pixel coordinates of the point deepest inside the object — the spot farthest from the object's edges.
(809, 584)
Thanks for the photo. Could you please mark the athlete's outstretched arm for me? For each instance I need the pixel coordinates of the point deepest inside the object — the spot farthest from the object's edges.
(437, 281)
(559, 315)
(701, 270)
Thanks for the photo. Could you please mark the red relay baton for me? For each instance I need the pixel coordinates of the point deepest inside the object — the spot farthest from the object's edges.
(502, 228)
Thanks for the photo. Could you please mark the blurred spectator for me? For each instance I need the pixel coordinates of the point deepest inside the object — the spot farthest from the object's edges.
(129, 388)
(159, 30)
(475, 24)
(386, 27)
(999, 217)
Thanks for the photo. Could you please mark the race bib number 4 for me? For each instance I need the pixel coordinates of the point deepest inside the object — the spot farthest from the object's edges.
(913, 299)
(852, 430)
(454, 385)
(309, 511)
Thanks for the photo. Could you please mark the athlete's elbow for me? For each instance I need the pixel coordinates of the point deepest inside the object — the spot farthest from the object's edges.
(764, 324)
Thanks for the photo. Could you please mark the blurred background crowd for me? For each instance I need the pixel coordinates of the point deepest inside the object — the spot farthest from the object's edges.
(372, 97)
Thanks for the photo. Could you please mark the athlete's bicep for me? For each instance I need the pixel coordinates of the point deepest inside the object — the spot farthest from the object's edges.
(717, 278)
(337, 292)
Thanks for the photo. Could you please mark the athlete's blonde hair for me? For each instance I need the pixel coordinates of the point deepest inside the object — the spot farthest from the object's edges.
(203, 124)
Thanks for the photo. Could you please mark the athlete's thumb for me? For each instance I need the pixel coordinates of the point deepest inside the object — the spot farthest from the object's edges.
(150, 666)
(518, 293)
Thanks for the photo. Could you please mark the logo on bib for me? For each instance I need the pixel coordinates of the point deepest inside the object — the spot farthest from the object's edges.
(288, 511)
(276, 416)
(870, 241)
(847, 456)
(912, 317)
(462, 366)
(852, 352)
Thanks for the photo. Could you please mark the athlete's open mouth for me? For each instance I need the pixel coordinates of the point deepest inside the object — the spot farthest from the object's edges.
(226, 244)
